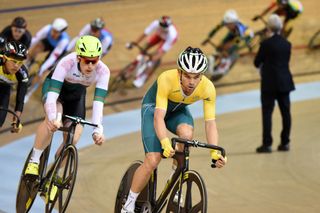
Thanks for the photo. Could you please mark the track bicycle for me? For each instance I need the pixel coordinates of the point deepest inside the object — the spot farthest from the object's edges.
(184, 192)
(220, 62)
(134, 69)
(314, 42)
(56, 183)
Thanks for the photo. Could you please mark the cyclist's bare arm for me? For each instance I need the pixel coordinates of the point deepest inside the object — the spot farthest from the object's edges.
(264, 12)
(215, 30)
(211, 132)
(159, 124)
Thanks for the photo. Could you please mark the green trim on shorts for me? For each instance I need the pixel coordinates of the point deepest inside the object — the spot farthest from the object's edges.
(55, 86)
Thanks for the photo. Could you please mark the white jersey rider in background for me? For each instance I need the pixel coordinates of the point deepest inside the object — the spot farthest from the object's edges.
(165, 34)
(64, 91)
(95, 28)
(52, 38)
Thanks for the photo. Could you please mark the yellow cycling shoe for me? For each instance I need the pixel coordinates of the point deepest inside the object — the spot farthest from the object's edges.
(53, 192)
(32, 169)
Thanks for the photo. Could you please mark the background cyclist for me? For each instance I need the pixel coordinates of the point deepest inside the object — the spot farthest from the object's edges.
(238, 36)
(53, 39)
(12, 71)
(165, 107)
(95, 28)
(64, 91)
(17, 32)
(162, 32)
(289, 9)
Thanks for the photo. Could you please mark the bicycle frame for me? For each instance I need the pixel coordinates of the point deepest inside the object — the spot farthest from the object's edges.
(29, 187)
(45, 174)
(183, 166)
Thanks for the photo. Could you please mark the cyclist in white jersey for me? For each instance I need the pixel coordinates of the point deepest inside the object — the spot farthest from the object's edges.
(161, 31)
(53, 39)
(95, 28)
(64, 91)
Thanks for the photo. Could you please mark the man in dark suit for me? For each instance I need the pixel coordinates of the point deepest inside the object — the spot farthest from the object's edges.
(276, 83)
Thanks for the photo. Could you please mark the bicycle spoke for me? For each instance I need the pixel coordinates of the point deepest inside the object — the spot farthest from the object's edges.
(63, 179)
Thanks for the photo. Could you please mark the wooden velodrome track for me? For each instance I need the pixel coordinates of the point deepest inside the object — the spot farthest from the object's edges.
(280, 182)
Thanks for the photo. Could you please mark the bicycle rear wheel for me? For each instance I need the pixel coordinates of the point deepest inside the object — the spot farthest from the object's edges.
(62, 180)
(124, 188)
(314, 42)
(124, 75)
(28, 188)
(193, 195)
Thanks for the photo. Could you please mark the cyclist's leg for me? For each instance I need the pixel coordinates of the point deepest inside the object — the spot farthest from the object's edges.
(152, 149)
(4, 101)
(42, 140)
(181, 124)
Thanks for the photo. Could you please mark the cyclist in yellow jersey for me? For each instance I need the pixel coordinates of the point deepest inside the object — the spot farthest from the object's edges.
(165, 107)
(12, 71)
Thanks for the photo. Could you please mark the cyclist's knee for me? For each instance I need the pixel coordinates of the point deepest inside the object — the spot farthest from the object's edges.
(152, 161)
(185, 131)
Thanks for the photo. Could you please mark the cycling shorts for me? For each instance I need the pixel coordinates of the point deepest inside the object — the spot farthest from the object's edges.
(150, 140)
(71, 106)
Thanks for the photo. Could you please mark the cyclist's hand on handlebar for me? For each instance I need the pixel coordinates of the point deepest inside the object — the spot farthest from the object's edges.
(98, 138)
(15, 128)
(54, 125)
(129, 45)
(217, 159)
(168, 151)
(255, 18)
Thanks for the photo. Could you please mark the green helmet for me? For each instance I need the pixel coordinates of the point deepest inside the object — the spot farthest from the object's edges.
(88, 46)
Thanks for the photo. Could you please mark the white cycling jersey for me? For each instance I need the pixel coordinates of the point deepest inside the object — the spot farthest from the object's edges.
(168, 35)
(67, 71)
(60, 45)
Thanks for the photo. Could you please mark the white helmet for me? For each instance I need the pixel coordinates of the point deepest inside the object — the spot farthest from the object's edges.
(230, 16)
(59, 24)
(192, 60)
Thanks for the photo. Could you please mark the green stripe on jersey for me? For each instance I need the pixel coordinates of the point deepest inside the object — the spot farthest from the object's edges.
(100, 94)
(55, 86)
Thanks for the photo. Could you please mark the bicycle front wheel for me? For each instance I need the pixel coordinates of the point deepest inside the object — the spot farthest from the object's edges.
(193, 195)
(29, 187)
(125, 185)
(62, 179)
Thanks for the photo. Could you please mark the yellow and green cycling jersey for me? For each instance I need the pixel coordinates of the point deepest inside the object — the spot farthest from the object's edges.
(166, 93)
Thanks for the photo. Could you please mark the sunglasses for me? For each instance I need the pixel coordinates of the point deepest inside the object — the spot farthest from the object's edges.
(17, 62)
(19, 30)
(88, 61)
